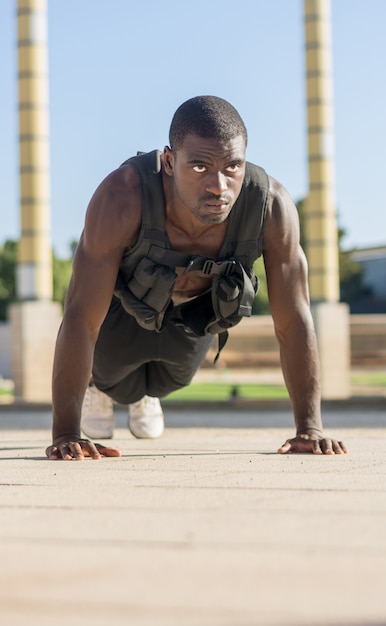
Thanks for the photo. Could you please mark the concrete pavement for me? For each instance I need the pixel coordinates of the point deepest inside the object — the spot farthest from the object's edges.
(206, 526)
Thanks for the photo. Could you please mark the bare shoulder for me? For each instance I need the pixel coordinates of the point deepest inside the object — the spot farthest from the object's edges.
(113, 216)
(281, 229)
(284, 260)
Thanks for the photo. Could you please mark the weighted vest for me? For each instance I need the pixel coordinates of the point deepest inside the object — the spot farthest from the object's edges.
(147, 272)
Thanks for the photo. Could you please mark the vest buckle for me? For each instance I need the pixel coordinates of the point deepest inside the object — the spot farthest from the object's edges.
(222, 268)
(207, 267)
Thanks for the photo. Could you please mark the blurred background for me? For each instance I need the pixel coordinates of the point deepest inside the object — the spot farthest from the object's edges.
(118, 69)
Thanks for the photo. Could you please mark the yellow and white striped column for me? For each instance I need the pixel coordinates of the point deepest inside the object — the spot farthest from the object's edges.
(320, 206)
(35, 319)
(331, 317)
(34, 274)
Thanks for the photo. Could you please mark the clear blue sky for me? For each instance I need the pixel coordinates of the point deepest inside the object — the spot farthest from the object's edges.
(120, 68)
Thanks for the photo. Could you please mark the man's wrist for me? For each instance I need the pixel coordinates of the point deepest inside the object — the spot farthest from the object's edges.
(310, 433)
(57, 439)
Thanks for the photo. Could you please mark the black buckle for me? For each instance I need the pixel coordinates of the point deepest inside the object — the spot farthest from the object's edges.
(222, 268)
(209, 267)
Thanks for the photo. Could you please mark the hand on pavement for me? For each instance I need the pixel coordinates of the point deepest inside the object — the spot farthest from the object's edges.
(68, 448)
(304, 444)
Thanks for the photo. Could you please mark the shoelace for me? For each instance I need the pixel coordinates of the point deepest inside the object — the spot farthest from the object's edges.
(146, 402)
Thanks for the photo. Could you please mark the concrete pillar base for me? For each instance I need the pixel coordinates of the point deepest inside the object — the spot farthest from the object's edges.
(332, 325)
(34, 326)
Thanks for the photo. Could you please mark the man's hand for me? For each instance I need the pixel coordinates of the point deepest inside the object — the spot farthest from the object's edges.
(73, 447)
(306, 444)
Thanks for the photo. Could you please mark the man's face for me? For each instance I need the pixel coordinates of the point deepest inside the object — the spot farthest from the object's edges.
(207, 176)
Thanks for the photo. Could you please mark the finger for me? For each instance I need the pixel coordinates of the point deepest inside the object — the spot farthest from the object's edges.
(316, 449)
(52, 453)
(107, 451)
(286, 447)
(64, 450)
(85, 447)
(77, 452)
(339, 447)
(326, 446)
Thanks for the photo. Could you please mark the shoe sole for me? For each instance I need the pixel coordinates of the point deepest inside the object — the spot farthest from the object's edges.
(145, 436)
(89, 436)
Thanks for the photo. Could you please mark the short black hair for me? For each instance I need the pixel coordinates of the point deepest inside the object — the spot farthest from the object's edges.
(206, 116)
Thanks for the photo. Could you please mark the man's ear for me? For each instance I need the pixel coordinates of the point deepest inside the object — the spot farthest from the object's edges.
(168, 160)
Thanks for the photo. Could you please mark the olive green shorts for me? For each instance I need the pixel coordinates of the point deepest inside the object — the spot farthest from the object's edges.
(130, 362)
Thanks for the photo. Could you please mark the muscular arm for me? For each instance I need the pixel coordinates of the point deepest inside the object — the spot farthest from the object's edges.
(286, 270)
(112, 222)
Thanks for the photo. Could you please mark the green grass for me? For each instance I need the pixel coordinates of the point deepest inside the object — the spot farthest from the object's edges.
(217, 392)
(370, 379)
(223, 391)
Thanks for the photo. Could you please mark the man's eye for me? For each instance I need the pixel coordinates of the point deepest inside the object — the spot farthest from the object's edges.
(199, 168)
(233, 167)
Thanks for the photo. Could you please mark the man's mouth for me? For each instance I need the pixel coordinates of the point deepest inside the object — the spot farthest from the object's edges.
(216, 205)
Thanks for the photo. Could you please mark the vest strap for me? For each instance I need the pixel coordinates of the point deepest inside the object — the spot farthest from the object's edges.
(147, 270)
(209, 267)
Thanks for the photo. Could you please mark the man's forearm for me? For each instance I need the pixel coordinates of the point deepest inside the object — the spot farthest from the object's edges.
(300, 365)
(71, 375)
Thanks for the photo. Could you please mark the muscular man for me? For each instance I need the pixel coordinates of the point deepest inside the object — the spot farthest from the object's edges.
(163, 265)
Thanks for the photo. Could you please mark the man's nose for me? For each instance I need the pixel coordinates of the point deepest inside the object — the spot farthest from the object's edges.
(216, 183)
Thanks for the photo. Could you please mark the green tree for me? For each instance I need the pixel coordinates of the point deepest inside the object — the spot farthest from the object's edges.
(61, 272)
(261, 304)
(351, 275)
(300, 205)
(8, 256)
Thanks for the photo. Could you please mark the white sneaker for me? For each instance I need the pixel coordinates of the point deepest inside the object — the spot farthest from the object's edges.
(97, 414)
(146, 418)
